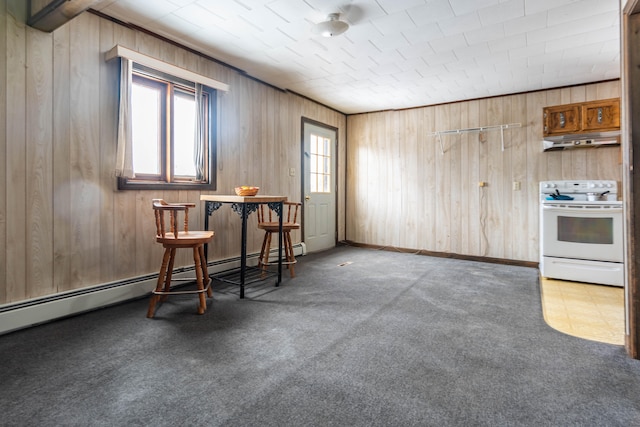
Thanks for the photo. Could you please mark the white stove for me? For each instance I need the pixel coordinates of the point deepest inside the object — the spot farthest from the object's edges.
(581, 236)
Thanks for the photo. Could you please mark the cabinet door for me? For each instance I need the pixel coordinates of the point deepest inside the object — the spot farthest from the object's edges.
(601, 115)
(562, 119)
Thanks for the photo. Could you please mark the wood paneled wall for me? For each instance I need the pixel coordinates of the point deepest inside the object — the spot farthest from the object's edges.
(404, 192)
(63, 224)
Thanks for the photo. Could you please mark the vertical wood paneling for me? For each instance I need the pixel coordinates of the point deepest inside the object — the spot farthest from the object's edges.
(61, 178)
(455, 195)
(16, 162)
(356, 176)
(410, 188)
(472, 195)
(394, 190)
(516, 143)
(495, 192)
(430, 155)
(537, 168)
(84, 149)
(3, 149)
(462, 198)
(39, 172)
(342, 179)
(108, 80)
(507, 177)
(483, 175)
(374, 208)
(457, 216)
(443, 183)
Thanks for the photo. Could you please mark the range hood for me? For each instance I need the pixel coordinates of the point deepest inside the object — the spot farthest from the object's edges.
(552, 143)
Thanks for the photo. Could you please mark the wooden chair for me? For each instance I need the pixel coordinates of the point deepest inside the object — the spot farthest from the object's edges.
(270, 226)
(172, 240)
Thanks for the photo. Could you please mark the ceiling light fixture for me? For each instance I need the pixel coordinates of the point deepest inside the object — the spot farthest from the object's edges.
(332, 27)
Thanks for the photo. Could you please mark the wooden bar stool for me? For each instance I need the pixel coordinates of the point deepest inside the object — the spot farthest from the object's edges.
(270, 226)
(173, 240)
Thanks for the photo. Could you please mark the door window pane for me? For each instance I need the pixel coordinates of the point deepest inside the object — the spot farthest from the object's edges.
(320, 164)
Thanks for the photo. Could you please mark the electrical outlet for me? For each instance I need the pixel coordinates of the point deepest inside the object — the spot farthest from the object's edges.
(292, 171)
(516, 185)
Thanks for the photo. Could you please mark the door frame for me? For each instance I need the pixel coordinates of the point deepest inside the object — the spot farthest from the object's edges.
(630, 112)
(305, 120)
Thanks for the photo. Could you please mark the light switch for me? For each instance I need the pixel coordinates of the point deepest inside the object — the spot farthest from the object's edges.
(292, 171)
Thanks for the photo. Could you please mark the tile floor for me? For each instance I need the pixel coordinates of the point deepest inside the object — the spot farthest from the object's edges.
(594, 312)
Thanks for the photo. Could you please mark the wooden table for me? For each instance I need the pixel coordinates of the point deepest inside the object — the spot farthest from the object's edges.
(244, 206)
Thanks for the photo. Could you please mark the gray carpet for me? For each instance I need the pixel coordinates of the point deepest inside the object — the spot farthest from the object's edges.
(359, 338)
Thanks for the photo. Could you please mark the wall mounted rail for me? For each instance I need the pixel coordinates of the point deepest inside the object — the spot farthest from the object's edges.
(480, 129)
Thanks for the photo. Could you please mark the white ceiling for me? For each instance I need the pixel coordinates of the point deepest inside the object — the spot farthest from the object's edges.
(397, 53)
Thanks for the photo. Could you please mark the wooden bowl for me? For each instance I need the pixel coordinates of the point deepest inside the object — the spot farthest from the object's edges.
(246, 190)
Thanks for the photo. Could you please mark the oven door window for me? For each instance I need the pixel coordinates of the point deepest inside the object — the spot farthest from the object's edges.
(585, 230)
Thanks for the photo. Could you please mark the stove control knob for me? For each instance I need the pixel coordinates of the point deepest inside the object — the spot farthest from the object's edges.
(592, 185)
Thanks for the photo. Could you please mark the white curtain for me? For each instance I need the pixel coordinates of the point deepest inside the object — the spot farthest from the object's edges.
(200, 132)
(124, 151)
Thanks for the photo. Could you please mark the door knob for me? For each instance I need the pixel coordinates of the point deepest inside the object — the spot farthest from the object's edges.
(307, 198)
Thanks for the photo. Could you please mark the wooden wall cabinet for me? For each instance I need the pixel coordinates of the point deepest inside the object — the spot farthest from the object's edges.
(580, 118)
(562, 119)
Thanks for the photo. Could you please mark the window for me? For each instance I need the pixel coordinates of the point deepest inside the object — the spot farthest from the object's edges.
(320, 164)
(163, 128)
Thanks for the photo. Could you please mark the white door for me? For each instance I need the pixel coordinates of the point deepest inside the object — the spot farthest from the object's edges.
(319, 176)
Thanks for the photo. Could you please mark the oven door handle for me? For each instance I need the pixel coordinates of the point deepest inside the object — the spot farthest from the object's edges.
(588, 210)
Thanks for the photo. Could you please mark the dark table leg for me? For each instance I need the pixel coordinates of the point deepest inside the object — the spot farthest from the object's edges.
(245, 210)
(280, 243)
(243, 253)
(206, 227)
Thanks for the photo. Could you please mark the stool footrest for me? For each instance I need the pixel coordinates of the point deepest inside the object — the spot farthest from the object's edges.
(190, 291)
(283, 262)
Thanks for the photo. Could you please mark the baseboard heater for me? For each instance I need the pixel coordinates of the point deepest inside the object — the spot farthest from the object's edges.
(36, 311)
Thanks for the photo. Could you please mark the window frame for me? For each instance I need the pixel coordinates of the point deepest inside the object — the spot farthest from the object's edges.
(150, 75)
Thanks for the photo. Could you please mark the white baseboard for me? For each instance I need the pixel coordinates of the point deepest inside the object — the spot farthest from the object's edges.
(40, 310)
